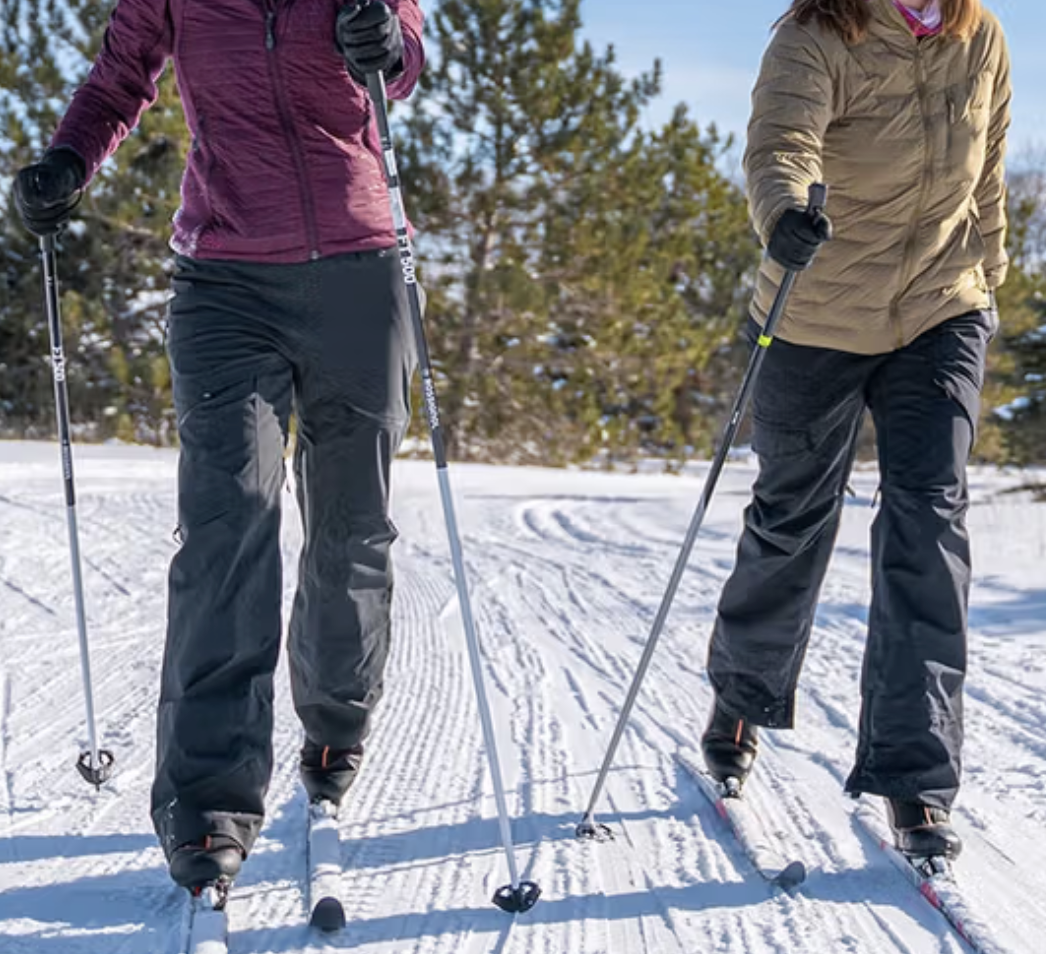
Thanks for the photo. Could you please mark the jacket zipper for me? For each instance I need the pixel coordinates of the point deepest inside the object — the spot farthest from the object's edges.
(913, 227)
(287, 123)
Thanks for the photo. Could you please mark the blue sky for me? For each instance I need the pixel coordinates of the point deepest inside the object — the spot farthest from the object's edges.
(711, 51)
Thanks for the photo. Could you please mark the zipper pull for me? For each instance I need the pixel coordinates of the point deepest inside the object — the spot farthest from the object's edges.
(270, 30)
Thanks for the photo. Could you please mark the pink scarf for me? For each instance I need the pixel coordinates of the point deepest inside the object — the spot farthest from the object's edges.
(926, 22)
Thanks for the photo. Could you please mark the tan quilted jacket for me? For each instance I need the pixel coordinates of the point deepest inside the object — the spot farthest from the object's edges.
(910, 138)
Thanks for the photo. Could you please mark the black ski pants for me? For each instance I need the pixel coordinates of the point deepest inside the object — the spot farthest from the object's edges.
(808, 405)
(248, 343)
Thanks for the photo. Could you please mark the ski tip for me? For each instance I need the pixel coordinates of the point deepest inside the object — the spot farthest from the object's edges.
(328, 915)
(323, 808)
(792, 876)
(731, 787)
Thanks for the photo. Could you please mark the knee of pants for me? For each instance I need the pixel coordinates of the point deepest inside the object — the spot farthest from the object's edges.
(790, 527)
(231, 464)
(924, 529)
(935, 471)
(352, 544)
(937, 503)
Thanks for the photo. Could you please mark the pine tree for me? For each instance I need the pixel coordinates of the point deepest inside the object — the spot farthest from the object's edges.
(1016, 393)
(571, 304)
(113, 259)
(649, 277)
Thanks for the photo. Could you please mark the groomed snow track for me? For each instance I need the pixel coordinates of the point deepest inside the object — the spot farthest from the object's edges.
(567, 570)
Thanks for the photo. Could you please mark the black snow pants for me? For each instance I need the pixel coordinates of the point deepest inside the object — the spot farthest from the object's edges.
(808, 406)
(248, 343)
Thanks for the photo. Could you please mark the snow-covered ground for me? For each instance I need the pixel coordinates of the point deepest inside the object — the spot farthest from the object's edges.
(567, 571)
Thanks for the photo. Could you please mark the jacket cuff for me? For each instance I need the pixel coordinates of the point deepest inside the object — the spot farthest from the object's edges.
(995, 276)
(770, 222)
(73, 157)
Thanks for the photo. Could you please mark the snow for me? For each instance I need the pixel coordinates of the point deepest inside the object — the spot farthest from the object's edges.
(567, 569)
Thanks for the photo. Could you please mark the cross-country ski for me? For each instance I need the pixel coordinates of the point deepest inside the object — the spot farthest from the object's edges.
(208, 931)
(743, 819)
(325, 869)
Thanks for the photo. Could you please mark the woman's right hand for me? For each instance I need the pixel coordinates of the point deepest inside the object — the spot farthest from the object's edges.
(47, 192)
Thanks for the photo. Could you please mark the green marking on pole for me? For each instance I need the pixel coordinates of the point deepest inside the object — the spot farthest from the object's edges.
(765, 341)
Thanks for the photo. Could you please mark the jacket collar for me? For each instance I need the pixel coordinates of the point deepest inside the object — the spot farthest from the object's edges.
(886, 12)
(893, 26)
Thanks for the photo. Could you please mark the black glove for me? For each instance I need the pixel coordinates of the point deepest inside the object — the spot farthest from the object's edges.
(368, 35)
(797, 237)
(47, 192)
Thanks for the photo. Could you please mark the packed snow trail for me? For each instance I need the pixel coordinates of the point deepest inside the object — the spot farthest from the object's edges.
(567, 570)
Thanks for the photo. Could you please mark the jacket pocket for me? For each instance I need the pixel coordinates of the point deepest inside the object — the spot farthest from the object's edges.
(969, 102)
(772, 442)
(968, 114)
(969, 109)
(217, 427)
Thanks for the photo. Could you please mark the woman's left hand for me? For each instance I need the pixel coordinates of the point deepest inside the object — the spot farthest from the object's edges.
(370, 39)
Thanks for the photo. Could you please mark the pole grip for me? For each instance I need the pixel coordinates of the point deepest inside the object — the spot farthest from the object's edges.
(817, 197)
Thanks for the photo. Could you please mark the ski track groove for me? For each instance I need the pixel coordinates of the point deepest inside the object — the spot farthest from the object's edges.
(784, 820)
(424, 725)
(6, 789)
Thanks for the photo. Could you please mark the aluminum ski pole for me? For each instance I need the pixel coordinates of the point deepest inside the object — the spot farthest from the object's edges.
(588, 828)
(95, 765)
(519, 895)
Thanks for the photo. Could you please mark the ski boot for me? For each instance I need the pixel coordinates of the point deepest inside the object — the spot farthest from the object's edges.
(922, 832)
(212, 863)
(729, 745)
(327, 773)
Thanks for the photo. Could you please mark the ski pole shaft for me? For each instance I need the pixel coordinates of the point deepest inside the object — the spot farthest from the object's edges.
(587, 828)
(519, 896)
(93, 764)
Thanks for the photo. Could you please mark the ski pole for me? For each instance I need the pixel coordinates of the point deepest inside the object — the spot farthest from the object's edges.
(588, 827)
(518, 896)
(95, 765)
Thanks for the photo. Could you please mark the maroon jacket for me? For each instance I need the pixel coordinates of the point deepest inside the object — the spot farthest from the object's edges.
(285, 163)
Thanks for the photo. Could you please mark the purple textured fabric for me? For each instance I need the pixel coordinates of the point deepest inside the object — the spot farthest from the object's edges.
(285, 163)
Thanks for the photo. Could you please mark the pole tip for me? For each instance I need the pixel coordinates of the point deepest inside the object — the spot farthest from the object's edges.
(328, 915)
(792, 876)
(591, 830)
(96, 775)
(517, 900)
